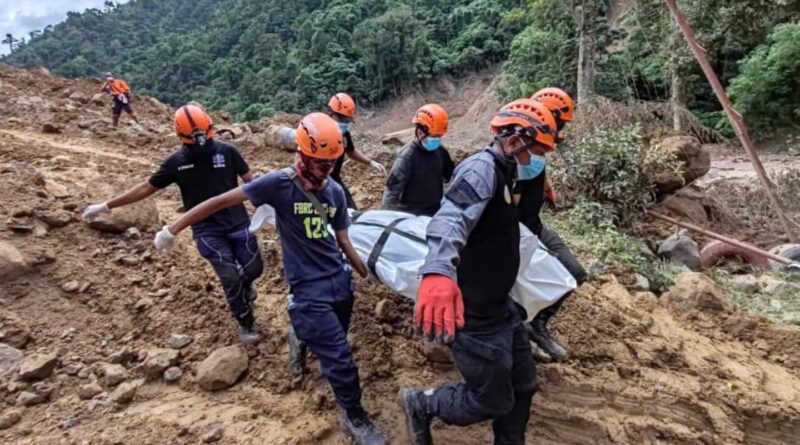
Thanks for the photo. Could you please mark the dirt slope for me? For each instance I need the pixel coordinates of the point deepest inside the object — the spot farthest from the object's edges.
(641, 371)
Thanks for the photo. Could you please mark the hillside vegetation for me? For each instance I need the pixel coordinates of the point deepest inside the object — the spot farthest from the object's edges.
(254, 58)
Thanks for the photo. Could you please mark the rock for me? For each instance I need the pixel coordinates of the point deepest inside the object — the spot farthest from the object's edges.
(123, 357)
(695, 158)
(179, 341)
(9, 419)
(213, 433)
(383, 309)
(640, 284)
(695, 291)
(38, 367)
(686, 208)
(27, 398)
(142, 215)
(158, 360)
(49, 128)
(112, 374)
(681, 248)
(89, 390)
(746, 283)
(55, 220)
(10, 359)
(125, 392)
(72, 369)
(130, 261)
(143, 304)
(12, 265)
(777, 288)
(99, 99)
(133, 233)
(436, 353)
(79, 97)
(13, 330)
(173, 374)
(222, 368)
(71, 286)
(70, 422)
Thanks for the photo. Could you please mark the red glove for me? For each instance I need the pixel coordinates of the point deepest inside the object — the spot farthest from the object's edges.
(440, 308)
(550, 197)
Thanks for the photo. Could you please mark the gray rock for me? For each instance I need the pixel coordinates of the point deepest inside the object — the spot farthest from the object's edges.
(123, 357)
(112, 374)
(159, 360)
(142, 215)
(12, 265)
(642, 284)
(9, 419)
(222, 368)
(10, 359)
(89, 390)
(71, 286)
(13, 330)
(27, 398)
(383, 309)
(70, 422)
(778, 288)
(213, 433)
(179, 341)
(133, 233)
(746, 283)
(173, 374)
(681, 248)
(125, 392)
(72, 369)
(38, 367)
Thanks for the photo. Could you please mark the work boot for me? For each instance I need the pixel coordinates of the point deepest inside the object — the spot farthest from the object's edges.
(297, 353)
(418, 422)
(360, 429)
(253, 292)
(537, 330)
(249, 334)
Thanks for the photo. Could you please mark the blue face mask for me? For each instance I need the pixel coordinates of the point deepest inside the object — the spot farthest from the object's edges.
(531, 170)
(344, 127)
(432, 143)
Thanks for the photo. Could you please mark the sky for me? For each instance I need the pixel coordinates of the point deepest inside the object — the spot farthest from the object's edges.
(19, 17)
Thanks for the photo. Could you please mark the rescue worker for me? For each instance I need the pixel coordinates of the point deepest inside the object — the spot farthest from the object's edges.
(416, 182)
(321, 299)
(204, 167)
(472, 264)
(342, 108)
(532, 191)
(121, 97)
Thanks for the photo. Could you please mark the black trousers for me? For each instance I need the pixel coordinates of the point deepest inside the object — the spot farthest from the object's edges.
(499, 380)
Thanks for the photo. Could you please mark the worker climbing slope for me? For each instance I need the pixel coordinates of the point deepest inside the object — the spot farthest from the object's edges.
(464, 300)
(203, 168)
(120, 94)
(321, 300)
(533, 190)
(342, 108)
(416, 182)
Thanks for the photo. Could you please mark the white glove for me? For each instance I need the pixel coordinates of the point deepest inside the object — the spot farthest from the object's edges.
(264, 214)
(164, 239)
(92, 211)
(378, 166)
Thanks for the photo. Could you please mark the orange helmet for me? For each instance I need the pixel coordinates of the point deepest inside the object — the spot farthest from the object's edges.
(532, 116)
(558, 102)
(318, 136)
(342, 104)
(433, 118)
(193, 124)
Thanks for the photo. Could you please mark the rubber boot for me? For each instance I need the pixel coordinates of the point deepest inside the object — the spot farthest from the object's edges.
(249, 334)
(360, 429)
(116, 120)
(297, 353)
(539, 334)
(418, 421)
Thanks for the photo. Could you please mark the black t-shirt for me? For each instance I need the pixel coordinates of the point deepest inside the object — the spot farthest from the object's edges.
(348, 148)
(531, 201)
(202, 173)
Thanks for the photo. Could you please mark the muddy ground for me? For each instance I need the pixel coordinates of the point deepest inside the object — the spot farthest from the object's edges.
(642, 370)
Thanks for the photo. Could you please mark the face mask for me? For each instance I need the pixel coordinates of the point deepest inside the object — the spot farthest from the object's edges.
(533, 169)
(432, 143)
(344, 127)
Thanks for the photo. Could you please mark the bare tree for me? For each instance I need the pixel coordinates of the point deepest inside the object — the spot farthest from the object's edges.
(676, 63)
(586, 49)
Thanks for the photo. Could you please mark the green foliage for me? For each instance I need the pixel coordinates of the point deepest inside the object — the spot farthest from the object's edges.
(255, 57)
(767, 92)
(612, 168)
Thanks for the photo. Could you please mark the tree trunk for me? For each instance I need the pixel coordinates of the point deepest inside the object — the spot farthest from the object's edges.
(678, 94)
(586, 50)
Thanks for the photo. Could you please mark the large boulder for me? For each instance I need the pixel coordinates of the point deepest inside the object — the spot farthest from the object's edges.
(694, 291)
(38, 367)
(685, 208)
(12, 265)
(681, 248)
(222, 368)
(695, 158)
(142, 215)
